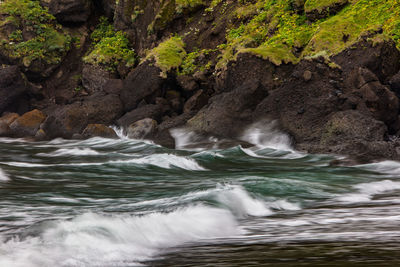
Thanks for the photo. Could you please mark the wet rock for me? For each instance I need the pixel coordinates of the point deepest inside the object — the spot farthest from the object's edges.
(227, 113)
(142, 129)
(28, 124)
(100, 130)
(40, 135)
(148, 111)
(13, 86)
(344, 126)
(69, 11)
(142, 83)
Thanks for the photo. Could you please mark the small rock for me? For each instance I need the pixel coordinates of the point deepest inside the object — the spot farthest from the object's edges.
(100, 130)
(40, 135)
(307, 75)
(142, 129)
(196, 102)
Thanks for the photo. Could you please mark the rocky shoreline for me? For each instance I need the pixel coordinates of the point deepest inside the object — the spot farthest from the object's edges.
(345, 103)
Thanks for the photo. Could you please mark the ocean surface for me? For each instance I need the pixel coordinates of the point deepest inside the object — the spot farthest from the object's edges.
(105, 202)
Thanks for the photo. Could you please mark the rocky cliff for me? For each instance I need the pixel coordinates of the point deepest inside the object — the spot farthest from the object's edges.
(327, 71)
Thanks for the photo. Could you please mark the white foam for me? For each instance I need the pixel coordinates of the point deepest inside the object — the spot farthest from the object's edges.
(70, 152)
(3, 176)
(387, 166)
(95, 240)
(367, 190)
(166, 161)
(265, 134)
(238, 200)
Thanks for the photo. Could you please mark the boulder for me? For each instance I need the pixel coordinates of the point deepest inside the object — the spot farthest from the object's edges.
(144, 82)
(40, 135)
(394, 83)
(147, 111)
(227, 113)
(69, 11)
(28, 124)
(13, 86)
(100, 130)
(64, 121)
(345, 126)
(142, 129)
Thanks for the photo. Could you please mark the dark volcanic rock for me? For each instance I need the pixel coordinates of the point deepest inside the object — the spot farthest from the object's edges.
(144, 82)
(330, 9)
(64, 121)
(12, 86)
(227, 113)
(148, 111)
(95, 79)
(69, 11)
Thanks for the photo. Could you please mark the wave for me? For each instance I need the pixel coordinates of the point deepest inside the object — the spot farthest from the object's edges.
(3, 176)
(70, 152)
(97, 240)
(367, 190)
(266, 135)
(387, 166)
(166, 161)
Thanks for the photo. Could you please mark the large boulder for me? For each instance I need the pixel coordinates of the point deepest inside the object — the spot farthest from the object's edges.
(227, 113)
(144, 82)
(28, 124)
(12, 86)
(142, 129)
(64, 121)
(69, 11)
(147, 111)
(99, 130)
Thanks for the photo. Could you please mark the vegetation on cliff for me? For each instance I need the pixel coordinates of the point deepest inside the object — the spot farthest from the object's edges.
(110, 48)
(29, 34)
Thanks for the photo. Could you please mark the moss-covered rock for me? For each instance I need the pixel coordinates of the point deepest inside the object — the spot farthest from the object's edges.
(31, 38)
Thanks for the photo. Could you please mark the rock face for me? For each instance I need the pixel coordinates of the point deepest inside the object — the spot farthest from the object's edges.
(142, 129)
(69, 11)
(100, 130)
(28, 124)
(12, 86)
(95, 79)
(144, 82)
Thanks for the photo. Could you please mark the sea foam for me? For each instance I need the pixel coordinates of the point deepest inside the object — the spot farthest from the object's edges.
(97, 240)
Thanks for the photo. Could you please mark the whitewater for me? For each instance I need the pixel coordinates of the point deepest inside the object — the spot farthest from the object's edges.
(123, 202)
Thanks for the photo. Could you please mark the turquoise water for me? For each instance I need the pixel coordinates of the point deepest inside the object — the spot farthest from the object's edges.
(104, 202)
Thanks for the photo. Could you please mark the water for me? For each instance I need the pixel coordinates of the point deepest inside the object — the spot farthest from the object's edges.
(104, 202)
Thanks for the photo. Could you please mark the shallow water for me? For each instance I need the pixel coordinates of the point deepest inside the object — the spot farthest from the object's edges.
(103, 202)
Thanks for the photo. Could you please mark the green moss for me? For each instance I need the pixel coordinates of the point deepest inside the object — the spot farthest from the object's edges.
(278, 32)
(191, 62)
(320, 5)
(110, 48)
(169, 54)
(42, 40)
